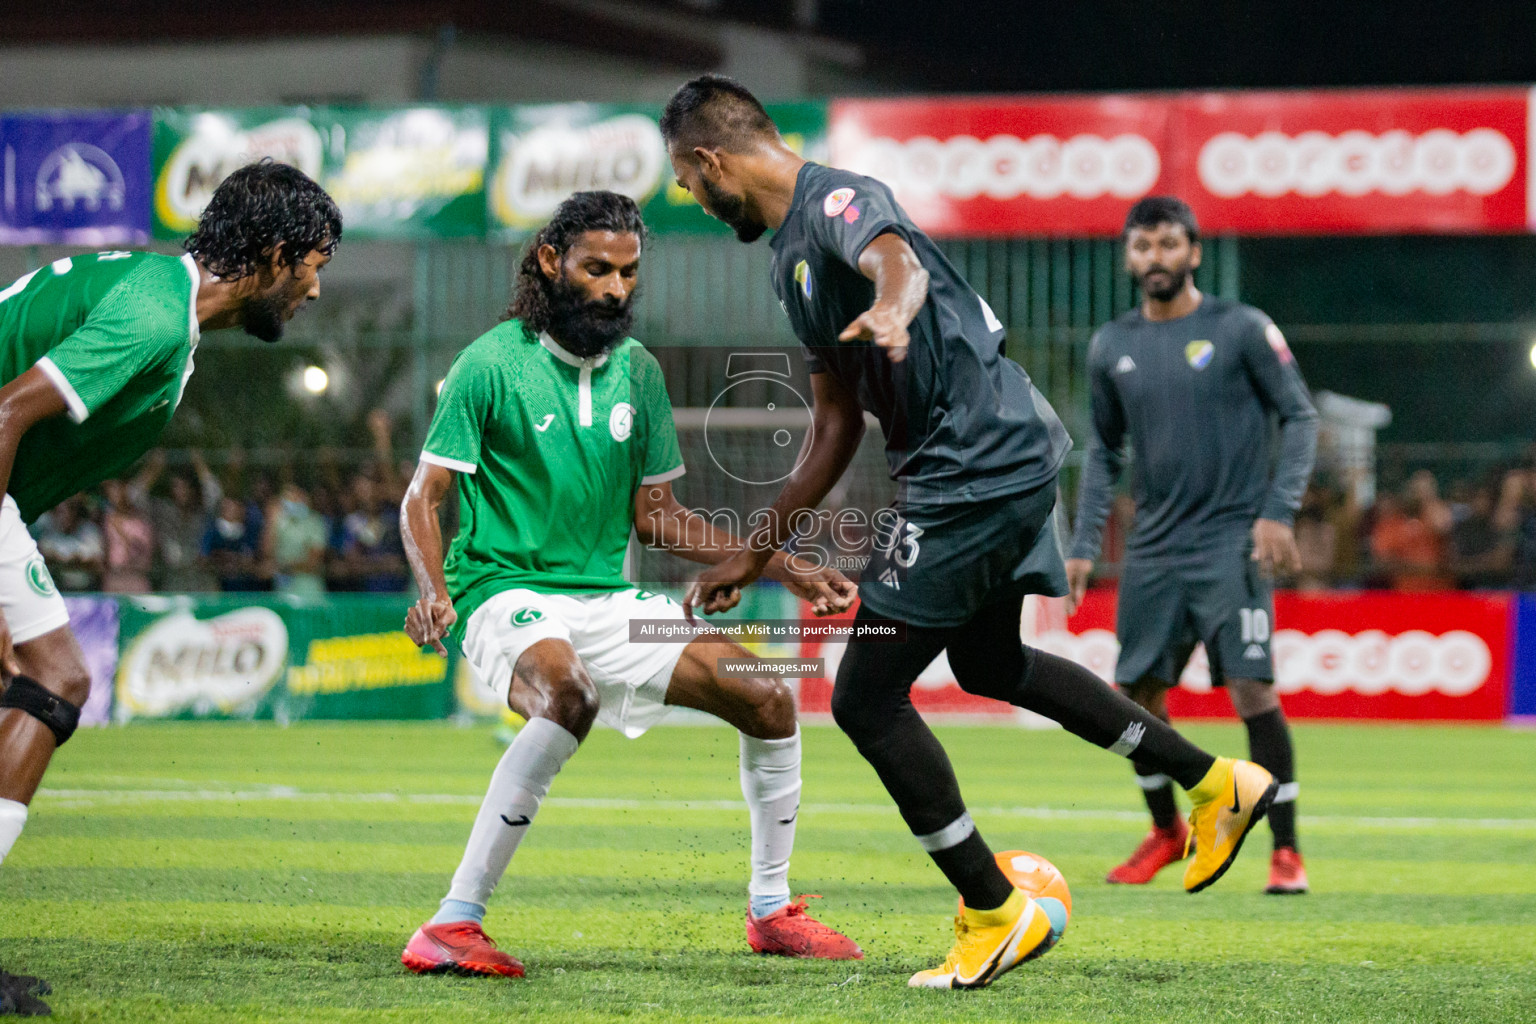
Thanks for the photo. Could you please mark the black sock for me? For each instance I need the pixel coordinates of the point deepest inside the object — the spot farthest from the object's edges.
(1157, 788)
(872, 704)
(1269, 744)
(1088, 707)
(971, 868)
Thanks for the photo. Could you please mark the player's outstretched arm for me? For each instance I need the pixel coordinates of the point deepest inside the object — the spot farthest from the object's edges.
(662, 522)
(901, 288)
(1101, 471)
(837, 427)
(428, 620)
(23, 402)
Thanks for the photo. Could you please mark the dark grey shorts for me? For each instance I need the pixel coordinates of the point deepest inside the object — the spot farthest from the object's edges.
(938, 565)
(1223, 601)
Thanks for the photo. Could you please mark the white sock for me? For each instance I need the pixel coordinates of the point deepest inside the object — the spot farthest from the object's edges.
(13, 818)
(770, 780)
(518, 785)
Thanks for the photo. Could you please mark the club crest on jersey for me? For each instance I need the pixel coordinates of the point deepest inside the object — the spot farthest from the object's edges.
(1199, 353)
(1277, 342)
(38, 578)
(803, 277)
(621, 421)
(526, 616)
(837, 200)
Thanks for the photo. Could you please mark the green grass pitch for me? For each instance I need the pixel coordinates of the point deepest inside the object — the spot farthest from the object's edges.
(234, 872)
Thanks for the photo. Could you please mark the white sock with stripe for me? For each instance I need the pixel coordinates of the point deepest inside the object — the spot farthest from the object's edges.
(518, 785)
(770, 781)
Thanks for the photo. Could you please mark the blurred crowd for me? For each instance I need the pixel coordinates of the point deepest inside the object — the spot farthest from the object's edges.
(306, 528)
(1472, 535)
(314, 526)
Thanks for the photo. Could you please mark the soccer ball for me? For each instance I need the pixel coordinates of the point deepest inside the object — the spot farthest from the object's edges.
(1043, 883)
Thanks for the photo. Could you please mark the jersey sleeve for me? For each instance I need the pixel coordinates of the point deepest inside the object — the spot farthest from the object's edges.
(136, 328)
(851, 213)
(663, 456)
(1278, 383)
(1106, 455)
(463, 408)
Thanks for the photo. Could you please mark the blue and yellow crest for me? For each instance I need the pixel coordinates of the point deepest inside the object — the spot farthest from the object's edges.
(803, 277)
(1199, 353)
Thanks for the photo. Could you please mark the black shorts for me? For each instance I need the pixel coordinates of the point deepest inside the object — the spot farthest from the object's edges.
(938, 565)
(1222, 600)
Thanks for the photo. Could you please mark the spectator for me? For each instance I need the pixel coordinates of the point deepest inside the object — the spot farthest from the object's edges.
(371, 556)
(72, 545)
(130, 542)
(1517, 513)
(293, 545)
(230, 548)
(1483, 552)
(1407, 542)
(1317, 538)
(180, 521)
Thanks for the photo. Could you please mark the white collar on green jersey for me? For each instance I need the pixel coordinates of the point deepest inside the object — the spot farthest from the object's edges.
(566, 357)
(195, 332)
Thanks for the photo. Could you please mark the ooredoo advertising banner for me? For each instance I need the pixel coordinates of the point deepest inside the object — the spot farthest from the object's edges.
(1346, 162)
(1337, 655)
(1343, 655)
(1360, 161)
(1002, 166)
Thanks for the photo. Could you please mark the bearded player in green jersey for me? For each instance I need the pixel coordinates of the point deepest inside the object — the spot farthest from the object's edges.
(557, 432)
(95, 352)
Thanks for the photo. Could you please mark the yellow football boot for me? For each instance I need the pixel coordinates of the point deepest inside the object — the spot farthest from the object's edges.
(990, 943)
(1228, 802)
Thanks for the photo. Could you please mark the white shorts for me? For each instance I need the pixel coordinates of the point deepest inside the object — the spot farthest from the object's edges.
(631, 678)
(28, 598)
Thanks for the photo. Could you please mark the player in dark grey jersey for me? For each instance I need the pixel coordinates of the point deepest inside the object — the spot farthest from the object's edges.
(890, 327)
(1192, 381)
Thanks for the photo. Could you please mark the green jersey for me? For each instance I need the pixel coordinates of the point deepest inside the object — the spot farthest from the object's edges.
(114, 332)
(550, 450)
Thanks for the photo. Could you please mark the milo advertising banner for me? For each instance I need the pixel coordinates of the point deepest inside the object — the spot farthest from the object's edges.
(246, 656)
(402, 172)
(541, 154)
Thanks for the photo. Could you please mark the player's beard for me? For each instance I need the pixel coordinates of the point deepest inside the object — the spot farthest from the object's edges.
(732, 212)
(264, 317)
(583, 327)
(1176, 277)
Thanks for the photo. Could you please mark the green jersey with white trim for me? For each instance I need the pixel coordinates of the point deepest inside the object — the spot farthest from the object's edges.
(114, 332)
(550, 450)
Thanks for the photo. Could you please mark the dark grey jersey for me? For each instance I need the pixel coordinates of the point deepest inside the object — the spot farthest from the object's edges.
(1194, 398)
(961, 421)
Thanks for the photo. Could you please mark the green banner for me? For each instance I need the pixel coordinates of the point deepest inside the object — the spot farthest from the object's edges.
(399, 173)
(255, 656)
(541, 154)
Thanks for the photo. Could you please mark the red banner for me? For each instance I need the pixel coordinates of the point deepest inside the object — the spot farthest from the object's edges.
(1447, 160)
(1009, 166)
(1337, 655)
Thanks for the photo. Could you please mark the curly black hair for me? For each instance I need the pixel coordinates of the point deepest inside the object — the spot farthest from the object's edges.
(717, 113)
(581, 212)
(1154, 210)
(255, 209)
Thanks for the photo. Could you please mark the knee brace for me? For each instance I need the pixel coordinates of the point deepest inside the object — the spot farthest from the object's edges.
(59, 715)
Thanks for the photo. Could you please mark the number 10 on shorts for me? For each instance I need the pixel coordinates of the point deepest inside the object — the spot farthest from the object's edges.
(1254, 625)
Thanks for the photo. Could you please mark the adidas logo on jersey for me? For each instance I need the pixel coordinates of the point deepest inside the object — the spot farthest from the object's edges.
(1253, 651)
(1125, 365)
(891, 578)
